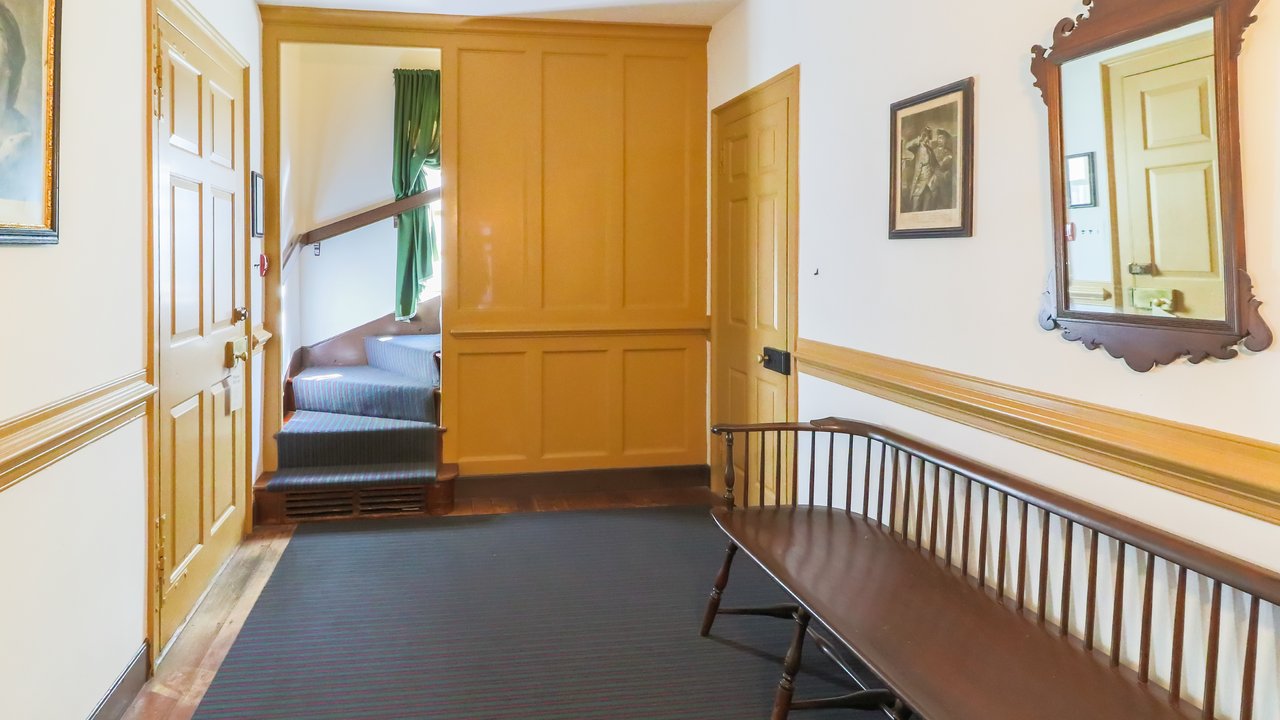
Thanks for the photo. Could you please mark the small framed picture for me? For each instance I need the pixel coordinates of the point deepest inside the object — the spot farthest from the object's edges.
(29, 52)
(931, 173)
(1082, 187)
(258, 221)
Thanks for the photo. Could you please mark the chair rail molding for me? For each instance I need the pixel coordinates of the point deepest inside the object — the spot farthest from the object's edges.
(1186, 459)
(34, 441)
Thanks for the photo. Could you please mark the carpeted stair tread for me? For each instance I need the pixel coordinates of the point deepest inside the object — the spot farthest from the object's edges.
(364, 390)
(352, 476)
(316, 439)
(412, 356)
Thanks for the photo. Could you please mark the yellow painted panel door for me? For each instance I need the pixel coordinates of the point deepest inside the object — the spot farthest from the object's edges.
(752, 209)
(200, 269)
(1171, 217)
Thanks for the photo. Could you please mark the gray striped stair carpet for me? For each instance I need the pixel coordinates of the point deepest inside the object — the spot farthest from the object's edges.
(352, 476)
(412, 356)
(363, 426)
(364, 390)
(312, 439)
(559, 616)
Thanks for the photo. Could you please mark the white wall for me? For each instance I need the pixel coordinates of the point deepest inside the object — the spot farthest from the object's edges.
(73, 542)
(969, 305)
(73, 611)
(338, 112)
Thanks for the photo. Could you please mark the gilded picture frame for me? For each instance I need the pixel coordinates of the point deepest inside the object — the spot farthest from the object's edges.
(30, 32)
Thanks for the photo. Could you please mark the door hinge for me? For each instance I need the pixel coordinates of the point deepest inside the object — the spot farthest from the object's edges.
(157, 92)
(160, 550)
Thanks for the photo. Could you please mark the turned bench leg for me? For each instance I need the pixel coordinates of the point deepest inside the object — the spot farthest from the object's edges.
(784, 612)
(717, 590)
(787, 687)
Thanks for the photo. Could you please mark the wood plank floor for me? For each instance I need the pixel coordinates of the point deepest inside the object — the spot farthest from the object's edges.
(187, 670)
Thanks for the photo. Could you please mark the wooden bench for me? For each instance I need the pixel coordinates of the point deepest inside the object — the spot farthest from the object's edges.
(950, 580)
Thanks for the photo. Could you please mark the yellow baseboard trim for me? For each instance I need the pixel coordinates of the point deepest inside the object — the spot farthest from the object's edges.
(1231, 471)
(32, 442)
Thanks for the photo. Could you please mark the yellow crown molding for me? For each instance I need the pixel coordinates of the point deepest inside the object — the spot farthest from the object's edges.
(34, 441)
(1234, 472)
(284, 18)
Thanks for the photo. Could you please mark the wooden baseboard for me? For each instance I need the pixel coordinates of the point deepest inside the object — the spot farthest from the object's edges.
(1234, 472)
(582, 481)
(117, 701)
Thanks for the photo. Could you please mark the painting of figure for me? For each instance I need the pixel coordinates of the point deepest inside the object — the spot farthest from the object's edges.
(28, 121)
(932, 149)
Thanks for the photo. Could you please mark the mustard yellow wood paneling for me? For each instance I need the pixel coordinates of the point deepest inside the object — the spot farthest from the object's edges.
(572, 428)
(577, 402)
(654, 380)
(576, 311)
(497, 388)
(662, 269)
(581, 169)
(492, 265)
(574, 216)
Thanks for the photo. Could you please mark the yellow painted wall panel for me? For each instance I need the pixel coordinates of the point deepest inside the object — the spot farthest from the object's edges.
(496, 387)
(658, 233)
(580, 175)
(494, 114)
(577, 403)
(654, 381)
(575, 237)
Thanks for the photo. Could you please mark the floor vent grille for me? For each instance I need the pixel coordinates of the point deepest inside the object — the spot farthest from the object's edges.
(302, 505)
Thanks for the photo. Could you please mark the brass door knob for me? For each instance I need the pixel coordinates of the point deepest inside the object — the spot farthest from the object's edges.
(760, 359)
(239, 315)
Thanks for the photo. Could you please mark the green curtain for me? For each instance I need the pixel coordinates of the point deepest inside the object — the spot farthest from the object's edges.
(417, 147)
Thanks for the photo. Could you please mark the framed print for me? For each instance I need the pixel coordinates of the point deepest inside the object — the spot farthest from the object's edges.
(29, 121)
(931, 177)
(259, 228)
(1082, 188)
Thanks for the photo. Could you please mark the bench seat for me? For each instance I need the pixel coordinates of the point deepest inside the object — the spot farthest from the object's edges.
(944, 645)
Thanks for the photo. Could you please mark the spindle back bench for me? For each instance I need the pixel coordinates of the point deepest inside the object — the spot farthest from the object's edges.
(974, 594)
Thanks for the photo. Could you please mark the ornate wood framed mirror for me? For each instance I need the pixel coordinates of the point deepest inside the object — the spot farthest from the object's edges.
(1153, 269)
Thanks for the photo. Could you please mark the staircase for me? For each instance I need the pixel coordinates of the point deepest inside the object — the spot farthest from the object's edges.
(362, 440)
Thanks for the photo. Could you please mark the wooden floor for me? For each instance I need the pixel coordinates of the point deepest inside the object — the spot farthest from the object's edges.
(187, 670)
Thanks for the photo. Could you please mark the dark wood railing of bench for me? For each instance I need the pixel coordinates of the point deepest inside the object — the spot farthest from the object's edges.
(949, 506)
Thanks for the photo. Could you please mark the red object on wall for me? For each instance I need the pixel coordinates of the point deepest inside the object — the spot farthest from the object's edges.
(264, 264)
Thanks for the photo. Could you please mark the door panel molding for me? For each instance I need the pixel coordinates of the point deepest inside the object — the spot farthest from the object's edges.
(1231, 471)
(35, 440)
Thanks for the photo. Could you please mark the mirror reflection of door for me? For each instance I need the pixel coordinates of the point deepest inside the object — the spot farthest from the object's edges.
(1164, 138)
(1146, 114)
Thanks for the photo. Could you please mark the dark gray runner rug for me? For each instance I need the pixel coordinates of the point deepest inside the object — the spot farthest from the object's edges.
(559, 616)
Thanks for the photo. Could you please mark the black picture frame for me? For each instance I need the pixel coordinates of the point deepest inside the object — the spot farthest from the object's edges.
(257, 186)
(961, 172)
(47, 232)
(1092, 180)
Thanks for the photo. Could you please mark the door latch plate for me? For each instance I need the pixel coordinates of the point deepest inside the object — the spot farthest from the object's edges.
(778, 361)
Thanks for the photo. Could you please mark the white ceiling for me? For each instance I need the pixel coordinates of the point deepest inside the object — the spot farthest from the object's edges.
(671, 12)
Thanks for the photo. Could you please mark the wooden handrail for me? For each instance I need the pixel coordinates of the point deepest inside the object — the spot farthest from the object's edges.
(362, 219)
